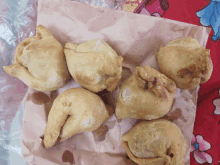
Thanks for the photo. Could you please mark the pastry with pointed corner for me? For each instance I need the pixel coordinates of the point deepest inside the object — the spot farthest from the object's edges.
(94, 65)
(185, 62)
(40, 62)
(156, 142)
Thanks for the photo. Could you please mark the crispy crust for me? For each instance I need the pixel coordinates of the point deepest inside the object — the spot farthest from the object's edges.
(94, 65)
(31, 64)
(171, 148)
(146, 94)
(185, 62)
(65, 114)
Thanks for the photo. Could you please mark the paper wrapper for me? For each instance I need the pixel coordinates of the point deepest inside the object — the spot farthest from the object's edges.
(136, 38)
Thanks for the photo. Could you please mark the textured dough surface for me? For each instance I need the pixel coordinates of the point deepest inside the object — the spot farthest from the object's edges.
(76, 110)
(40, 62)
(157, 142)
(185, 62)
(94, 65)
(147, 94)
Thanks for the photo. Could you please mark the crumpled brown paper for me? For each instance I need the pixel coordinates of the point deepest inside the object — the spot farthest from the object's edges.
(136, 38)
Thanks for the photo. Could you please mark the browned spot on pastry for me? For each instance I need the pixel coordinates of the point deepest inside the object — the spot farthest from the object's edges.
(81, 78)
(40, 98)
(112, 84)
(182, 72)
(192, 68)
(66, 104)
(197, 75)
(171, 86)
(68, 157)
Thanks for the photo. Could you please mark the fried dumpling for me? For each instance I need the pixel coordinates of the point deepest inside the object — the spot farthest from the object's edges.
(147, 94)
(75, 110)
(156, 142)
(94, 65)
(185, 62)
(40, 62)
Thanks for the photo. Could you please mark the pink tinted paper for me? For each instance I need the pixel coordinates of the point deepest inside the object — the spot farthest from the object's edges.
(135, 37)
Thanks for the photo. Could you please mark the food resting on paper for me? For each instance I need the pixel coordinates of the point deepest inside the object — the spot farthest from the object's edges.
(157, 142)
(185, 62)
(39, 62)
(76, 110)
(147, 94)
(94, 65)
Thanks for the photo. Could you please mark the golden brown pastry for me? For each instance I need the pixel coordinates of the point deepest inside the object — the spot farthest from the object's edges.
(94, 65)
(185, 62)
(156, 142)
(39, 62)
(76, 110)
(147, 94)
